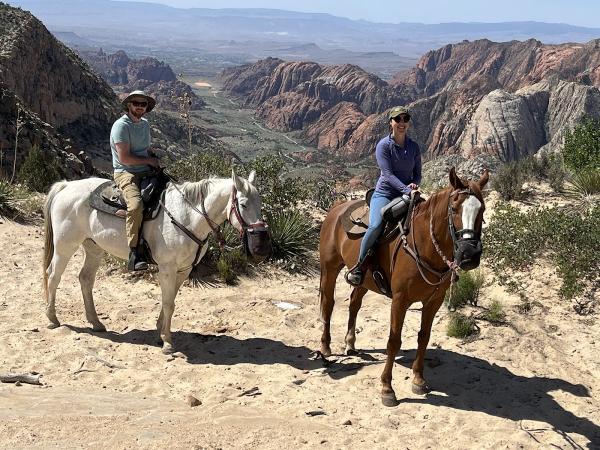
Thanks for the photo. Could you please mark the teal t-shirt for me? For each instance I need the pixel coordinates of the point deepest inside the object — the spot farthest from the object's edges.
(138, 137)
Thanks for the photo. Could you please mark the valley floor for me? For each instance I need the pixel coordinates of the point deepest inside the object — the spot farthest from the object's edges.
(530, 385)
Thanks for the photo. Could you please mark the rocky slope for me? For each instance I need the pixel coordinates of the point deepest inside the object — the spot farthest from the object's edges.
(66, 109)
(506, 100)
(148, 74)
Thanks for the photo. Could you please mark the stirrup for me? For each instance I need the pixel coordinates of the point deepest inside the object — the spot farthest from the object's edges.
(135, 264)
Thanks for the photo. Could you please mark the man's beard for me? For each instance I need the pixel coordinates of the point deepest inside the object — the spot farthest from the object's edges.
(135, 113)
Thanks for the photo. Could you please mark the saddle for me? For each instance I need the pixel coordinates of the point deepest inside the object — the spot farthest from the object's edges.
(396, 216)
(108, 198)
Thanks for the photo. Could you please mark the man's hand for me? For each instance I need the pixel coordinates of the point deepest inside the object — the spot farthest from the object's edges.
(154, 162)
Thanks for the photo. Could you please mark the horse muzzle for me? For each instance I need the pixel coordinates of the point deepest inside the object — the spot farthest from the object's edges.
(257, 241)
(467, 253)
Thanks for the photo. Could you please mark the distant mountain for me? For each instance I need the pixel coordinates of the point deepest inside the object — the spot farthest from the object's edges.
(505, 100)
(107, 21)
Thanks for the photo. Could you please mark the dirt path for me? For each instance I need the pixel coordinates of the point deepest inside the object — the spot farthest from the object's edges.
(533, 385)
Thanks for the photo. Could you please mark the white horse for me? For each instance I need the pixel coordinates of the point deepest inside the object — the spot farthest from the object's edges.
(70, 222)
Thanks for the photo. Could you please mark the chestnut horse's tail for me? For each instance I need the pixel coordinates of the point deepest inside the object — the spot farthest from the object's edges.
(48, 232)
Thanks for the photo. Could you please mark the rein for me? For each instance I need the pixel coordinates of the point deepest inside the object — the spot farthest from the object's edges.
(414, 252)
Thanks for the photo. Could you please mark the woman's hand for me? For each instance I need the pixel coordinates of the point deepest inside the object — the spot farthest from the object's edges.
(413, 186)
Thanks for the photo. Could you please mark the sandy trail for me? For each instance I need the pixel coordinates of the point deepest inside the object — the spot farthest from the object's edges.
(532, 385)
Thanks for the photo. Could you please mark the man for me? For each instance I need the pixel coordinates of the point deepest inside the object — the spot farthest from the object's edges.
(132, 160)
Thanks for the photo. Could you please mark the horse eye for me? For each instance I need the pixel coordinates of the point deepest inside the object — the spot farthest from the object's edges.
(243, 205)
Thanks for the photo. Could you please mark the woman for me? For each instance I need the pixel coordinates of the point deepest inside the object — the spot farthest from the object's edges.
(399, 159)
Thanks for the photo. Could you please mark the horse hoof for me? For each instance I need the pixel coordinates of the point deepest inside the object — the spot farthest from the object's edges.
(351, 352)
(420, 389)
(168, 349)
(53, 325)
(100, 328)
(326, 351)
(389, 400)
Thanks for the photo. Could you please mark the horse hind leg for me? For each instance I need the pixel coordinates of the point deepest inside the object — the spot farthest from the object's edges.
(329, 275)
(355, 303)
(87, 277)
(61, 256)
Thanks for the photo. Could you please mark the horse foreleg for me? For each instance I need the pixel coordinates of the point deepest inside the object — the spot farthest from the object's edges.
(60, 258)
(170, 282)
(398, 312)
(355, 303)
(87, 278)
(419, 386)
(327, 302)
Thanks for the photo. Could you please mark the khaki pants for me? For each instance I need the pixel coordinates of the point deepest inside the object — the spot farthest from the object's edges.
(129, 183)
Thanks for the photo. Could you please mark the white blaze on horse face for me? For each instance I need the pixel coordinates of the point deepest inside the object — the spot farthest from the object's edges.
(470, 209)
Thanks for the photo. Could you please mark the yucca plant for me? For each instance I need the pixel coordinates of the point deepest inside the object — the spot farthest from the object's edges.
(495, 313)
(7, 199)
(584, 189)
(294, 238)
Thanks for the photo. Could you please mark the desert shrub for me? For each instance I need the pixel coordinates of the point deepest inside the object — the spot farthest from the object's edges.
(39, 170)
(323, 193)
(582, 146)
(569, 240)
(278, 193)
(508, 181)
(201, 165)
(294, 239)
(461, 326)
(586, 182)
(466, 290)
(495, 313)
(8, 199)
(230, 264)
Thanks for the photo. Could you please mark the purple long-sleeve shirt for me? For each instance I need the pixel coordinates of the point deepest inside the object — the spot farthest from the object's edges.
(399, 166)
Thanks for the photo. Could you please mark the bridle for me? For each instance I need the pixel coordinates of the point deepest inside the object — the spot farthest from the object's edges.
(457, 237)
(245, 227)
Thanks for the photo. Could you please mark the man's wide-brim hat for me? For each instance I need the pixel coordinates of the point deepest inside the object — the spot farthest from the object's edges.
(134, 94)
(397, 111)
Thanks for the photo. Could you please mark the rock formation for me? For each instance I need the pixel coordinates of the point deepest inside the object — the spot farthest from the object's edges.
(149, 74)
(506, 99)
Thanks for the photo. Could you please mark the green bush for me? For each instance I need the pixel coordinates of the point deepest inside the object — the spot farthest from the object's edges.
(278, 193)
(294, 239)
(466, 290)
(461, 326)
(508, 181)
(586, 182)
(201, 165)
(7, 199)
(582, 146)
(39, 170)
(570, 241)
(230, 264)
(495, 313)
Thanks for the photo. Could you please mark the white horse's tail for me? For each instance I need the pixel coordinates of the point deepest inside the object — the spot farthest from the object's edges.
(49, 234)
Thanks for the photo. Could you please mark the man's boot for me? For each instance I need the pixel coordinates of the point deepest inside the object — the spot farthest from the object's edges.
(136, 262)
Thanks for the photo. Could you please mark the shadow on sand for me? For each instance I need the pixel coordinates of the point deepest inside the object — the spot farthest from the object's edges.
(473, 384)
(465, 382)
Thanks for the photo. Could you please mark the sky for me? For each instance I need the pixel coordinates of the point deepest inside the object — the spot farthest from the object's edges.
(574, 12)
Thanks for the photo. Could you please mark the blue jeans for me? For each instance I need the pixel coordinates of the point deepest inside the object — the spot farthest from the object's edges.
(376, 224)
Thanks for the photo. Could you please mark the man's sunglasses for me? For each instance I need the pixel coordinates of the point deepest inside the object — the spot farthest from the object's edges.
(403, 119)
(143, 104)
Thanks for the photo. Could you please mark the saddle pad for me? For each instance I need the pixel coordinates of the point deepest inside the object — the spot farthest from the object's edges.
(355, 219)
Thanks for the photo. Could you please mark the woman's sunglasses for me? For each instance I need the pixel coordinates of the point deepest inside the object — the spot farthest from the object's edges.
(403, 119)
(142, 104)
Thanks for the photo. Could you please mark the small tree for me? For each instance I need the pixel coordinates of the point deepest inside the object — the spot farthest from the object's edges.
(582, 146)
(39, 170)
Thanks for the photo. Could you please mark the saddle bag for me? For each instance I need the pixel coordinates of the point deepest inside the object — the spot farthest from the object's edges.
(396, 209)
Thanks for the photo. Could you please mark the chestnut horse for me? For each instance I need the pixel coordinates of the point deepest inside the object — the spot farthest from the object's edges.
(420, 267)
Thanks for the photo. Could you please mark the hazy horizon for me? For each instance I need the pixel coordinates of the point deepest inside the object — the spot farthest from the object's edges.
(583, 13)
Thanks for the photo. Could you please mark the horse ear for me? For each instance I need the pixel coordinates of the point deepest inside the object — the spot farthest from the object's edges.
(484, 178)
(252, 177)
(455, 181)
(236, 181)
